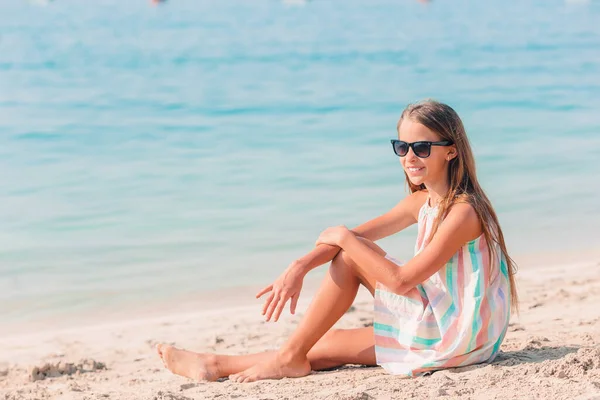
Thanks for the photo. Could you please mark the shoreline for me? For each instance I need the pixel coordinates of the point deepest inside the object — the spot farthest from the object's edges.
(239, 297)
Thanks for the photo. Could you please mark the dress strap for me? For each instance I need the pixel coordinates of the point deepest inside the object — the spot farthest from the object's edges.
(427, 209)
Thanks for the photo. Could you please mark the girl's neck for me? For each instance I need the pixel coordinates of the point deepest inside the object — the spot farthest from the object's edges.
(437, 192)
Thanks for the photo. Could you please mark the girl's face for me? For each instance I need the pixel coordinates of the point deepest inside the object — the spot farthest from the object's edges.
(424, 170)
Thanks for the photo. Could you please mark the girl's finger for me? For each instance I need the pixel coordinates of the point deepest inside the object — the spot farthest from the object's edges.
(265, 290)
(267, 303)
(279, 308)
(274, 303)
(294, 303)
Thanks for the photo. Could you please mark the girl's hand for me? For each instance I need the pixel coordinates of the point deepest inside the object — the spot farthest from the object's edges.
(286, 287)
(333, 236)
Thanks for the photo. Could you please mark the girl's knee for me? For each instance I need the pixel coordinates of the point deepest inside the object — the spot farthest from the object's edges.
(341, 260)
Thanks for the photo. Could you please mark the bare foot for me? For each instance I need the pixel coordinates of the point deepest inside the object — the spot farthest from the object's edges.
(280, 366)
(200, 367)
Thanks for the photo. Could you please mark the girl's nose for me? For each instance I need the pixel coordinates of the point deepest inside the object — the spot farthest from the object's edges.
(410, 155)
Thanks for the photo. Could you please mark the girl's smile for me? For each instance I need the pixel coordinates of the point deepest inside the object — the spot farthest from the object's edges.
(414, 170)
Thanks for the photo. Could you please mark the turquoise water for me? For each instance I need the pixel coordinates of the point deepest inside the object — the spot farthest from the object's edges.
(148, 153)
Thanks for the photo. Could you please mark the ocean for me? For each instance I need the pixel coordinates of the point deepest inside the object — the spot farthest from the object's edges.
(152, 153)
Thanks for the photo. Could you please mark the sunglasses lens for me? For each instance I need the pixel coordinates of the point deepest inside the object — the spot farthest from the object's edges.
(400, 148)
(422, 149)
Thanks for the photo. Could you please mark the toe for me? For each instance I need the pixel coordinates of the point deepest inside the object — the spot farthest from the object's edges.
(160, 350)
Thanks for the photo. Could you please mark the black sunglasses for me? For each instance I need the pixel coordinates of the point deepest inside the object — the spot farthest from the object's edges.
(421, 149)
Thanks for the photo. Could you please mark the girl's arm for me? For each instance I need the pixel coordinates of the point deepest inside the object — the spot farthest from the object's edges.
(289, 284)
(403, 215)
(460, 226)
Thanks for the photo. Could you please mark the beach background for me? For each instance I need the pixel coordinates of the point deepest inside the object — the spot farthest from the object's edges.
(159, 160)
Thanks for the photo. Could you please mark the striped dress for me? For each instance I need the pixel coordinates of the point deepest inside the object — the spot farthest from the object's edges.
(457, 317)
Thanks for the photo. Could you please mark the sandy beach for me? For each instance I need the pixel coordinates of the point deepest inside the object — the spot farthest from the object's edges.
(162, 164)
(551, 351)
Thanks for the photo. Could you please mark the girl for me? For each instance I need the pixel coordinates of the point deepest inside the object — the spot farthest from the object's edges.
(449, 306)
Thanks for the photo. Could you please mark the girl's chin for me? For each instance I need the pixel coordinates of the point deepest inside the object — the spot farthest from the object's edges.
(416, 180)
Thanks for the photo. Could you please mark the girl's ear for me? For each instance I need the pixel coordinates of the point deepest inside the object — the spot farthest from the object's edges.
(452, 153)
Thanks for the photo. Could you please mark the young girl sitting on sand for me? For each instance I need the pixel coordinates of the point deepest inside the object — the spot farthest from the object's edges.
(448, 306)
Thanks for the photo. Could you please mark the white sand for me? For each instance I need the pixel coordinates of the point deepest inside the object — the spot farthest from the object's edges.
(552, 351)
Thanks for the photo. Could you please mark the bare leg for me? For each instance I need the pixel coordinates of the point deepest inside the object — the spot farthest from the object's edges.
(335, 296)
(333, 299)
(343, 346)
(338, 347)
(205, 366)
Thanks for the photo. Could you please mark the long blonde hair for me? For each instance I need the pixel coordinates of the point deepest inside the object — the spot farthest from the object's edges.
(464, 187)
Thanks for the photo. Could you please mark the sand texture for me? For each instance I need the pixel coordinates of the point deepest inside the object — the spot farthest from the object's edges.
(552, 351)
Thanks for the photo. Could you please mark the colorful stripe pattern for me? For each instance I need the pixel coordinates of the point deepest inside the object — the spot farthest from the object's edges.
(457, 317)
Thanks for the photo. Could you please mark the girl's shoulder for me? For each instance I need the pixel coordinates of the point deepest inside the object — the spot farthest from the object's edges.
(463, 217)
